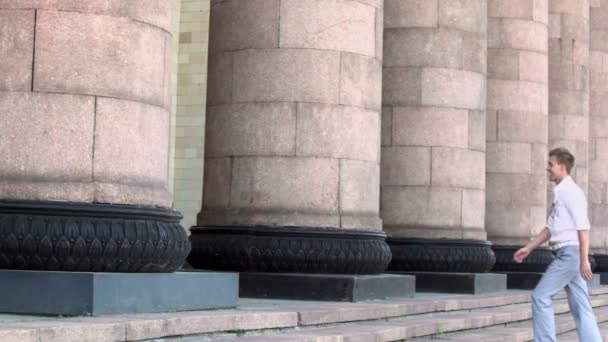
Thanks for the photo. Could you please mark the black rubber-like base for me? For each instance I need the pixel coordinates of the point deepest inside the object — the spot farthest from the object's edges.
(88, 237)
(289, 250)
(537, 261)
(523, 280)
(467, 283)
(440, 255)
(326, 287)
(601, 263)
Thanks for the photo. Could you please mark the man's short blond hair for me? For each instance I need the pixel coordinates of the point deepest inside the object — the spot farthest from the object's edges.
(563, 156)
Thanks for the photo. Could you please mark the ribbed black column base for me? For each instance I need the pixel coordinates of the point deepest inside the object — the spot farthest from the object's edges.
(87, 237)
(440, 255)
(536, 262)
(289, 250)
(601, 263)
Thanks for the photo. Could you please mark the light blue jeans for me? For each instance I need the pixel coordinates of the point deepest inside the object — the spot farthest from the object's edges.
(564, 271)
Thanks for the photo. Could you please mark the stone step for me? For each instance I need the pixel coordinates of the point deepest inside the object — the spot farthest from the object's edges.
(573, 337)
(521, 331)
(255, 316)
(434, 324)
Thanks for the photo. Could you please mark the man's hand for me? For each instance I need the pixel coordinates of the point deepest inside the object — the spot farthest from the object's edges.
(521, 254)
(586, 269)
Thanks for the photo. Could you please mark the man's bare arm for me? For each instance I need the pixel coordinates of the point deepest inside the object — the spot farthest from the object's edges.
(541, 238)
(583, 240)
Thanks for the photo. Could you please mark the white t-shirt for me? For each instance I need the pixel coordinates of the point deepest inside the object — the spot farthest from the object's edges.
(569, 212)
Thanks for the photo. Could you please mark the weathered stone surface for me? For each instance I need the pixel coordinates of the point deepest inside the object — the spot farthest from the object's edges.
(491, 125)
(597, 103)
(508, 157)
(453, 88)
(410, 13)
(599, 126)
(386, 124)
(513, 223)
(337, 132)
(105, 56)
(477, 130)
(520, 9)
(533, 67)
(598, 170)
(219, 79)
(541, 11)
(46, 137)
(430, 126)
(217, 179)
(422, 207)
(597, 18)
(601, 148)
(567, 76)
(423, 47)
(16, 49)
(598, 40)
(578, 7)
(569, 127)
(517, 34)
(567, 102)
(251, 129)
(307, 184)
(328, 30)
(467, 15)
(237, 25)
(516, 188)
(405, 166)
(48, 190)
(379, 34)
(597, 192)
(360, 81)
(159, 13)
(458, 168)
(131, 143)
(555, 26)
(473, 210)
(401, 86)
(574, 27)
(359, 187)
(503, 64)
(522, 127)
(517, 96)
(474, 52)
(286, 75)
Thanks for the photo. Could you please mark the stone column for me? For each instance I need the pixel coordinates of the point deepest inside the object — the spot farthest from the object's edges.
(433, 135)
(516, 133)
(598, 132)
(569, 82)
(291, 176)
(84, 106)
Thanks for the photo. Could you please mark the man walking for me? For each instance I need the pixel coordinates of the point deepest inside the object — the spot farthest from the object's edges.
(568, 234)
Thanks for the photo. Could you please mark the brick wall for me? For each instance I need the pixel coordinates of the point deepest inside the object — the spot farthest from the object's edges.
(189, 123)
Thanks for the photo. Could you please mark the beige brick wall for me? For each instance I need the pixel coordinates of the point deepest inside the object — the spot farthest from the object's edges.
(189, 123)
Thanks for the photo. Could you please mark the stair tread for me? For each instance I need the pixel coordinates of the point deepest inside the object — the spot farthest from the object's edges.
(433, 324)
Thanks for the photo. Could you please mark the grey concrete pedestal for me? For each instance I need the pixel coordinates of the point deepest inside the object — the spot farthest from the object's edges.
(76, 293)
(470, 283)
(529, 280)
(326, 287)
